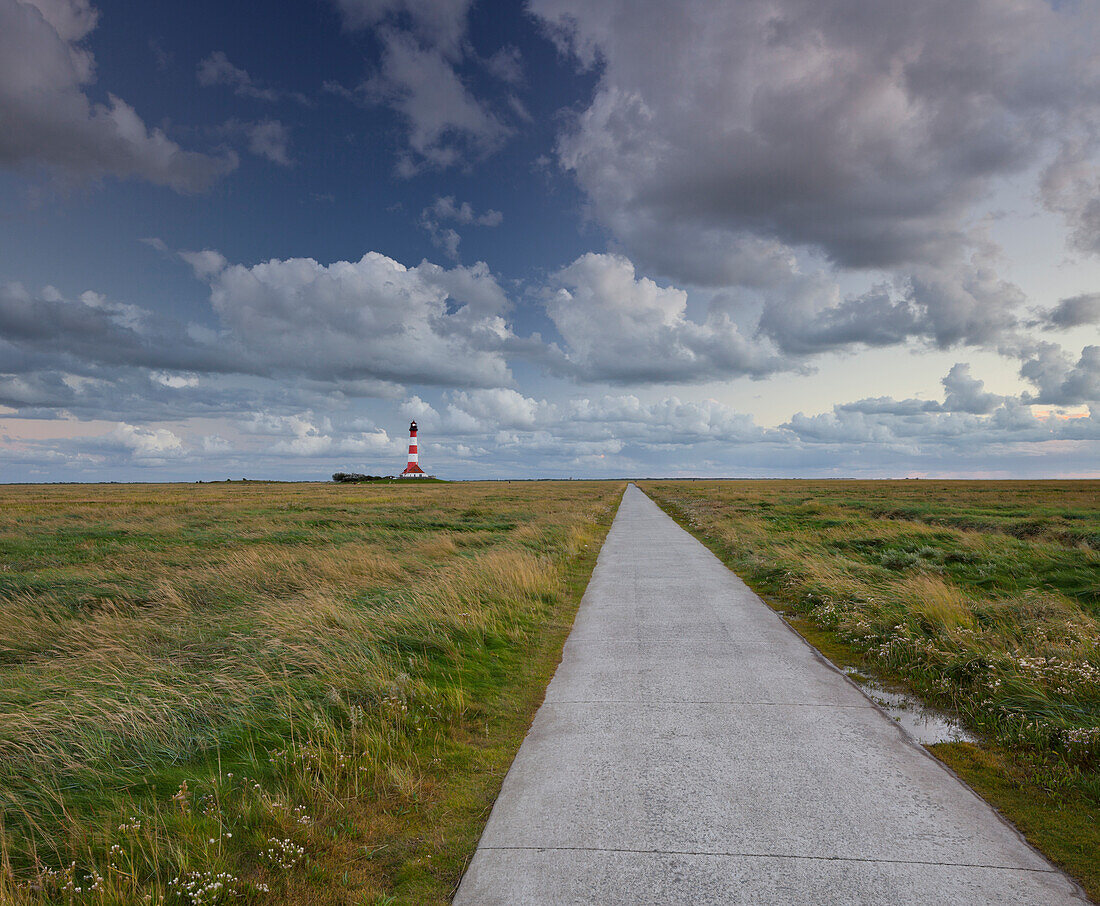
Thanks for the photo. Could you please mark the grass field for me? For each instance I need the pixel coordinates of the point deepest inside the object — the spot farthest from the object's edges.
(263, 692)
(981, 597)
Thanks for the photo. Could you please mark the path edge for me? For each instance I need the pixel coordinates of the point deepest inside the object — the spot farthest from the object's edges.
(706, 543)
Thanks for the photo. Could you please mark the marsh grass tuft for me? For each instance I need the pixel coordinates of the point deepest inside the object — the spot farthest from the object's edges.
(937, 606)
(221, 694)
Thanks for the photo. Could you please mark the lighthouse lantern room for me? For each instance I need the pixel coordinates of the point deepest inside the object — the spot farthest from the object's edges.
(413, 470)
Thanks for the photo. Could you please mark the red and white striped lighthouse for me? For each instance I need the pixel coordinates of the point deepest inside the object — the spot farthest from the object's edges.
(413, 470)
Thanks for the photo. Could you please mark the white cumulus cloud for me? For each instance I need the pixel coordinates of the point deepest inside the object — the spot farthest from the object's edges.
(622, 327)
(368, 318)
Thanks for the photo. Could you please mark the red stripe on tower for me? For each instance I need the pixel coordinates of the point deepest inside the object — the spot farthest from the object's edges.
(413, 470)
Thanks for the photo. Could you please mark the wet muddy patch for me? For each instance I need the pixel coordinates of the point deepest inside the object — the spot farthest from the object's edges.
(926, 725)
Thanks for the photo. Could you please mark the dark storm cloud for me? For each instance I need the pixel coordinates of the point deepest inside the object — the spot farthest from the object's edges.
(1073, 312)
(46, 119)
(967, 304)
(863, 128)
(800, 324)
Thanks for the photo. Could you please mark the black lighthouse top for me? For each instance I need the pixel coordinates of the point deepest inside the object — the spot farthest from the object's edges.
(412, 428)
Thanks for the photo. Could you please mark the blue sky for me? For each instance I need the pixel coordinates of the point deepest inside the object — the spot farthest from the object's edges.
(776, 237)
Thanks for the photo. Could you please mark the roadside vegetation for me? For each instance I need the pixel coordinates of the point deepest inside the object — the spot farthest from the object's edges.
(266, 692)
(983, 598)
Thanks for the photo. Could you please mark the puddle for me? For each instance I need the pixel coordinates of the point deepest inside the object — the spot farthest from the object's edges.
(926, 725)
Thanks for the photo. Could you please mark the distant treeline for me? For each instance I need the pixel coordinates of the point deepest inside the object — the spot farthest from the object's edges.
(355, 476)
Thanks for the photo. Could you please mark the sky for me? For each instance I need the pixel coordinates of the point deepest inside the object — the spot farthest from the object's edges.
(571, 238)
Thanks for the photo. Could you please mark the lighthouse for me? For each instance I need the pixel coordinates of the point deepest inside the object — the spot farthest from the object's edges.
(413, 470)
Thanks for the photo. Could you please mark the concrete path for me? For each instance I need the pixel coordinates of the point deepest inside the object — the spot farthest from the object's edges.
(693, 750)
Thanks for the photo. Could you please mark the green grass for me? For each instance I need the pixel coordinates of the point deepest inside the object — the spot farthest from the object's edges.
(309, 693)
(980, 597)
(1062, 822)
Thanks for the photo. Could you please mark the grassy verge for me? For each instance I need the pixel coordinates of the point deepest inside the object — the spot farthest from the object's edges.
(298, 693)
(982, 598)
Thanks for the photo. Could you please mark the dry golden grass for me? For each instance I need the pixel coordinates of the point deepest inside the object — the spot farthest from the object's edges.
(938, 604)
